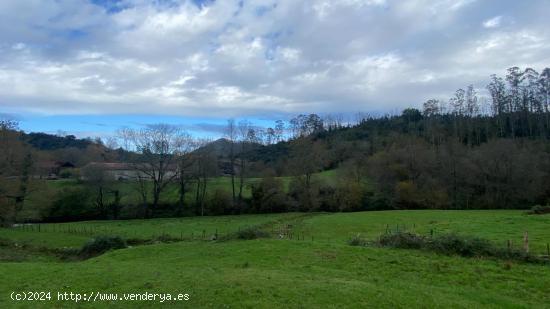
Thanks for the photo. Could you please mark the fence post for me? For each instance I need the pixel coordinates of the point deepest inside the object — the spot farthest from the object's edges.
(526, 242)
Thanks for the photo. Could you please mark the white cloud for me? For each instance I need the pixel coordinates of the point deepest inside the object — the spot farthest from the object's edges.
(492, 22)
(263, 56)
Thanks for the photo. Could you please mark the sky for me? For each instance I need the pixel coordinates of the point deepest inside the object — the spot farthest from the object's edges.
(87, 67)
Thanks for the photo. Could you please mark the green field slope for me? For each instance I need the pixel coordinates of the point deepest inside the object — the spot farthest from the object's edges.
(317, 271)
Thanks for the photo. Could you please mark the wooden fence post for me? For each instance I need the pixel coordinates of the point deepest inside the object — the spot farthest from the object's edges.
(526, 242)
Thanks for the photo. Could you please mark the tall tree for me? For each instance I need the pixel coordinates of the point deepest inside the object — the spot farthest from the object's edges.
(231, 135)
(205, 167)
(246, 136)
(544, 90)
(185, 145)
(157, 145)
(97, 177)
(279, 130)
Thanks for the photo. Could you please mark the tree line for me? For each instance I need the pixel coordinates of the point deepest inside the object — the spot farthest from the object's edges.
(468, 152)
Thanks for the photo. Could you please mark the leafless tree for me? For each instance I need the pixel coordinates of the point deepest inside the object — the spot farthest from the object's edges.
(157, 145)
(246, 136)
(231, 135)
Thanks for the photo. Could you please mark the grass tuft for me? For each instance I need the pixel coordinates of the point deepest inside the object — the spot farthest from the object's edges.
(357, 240)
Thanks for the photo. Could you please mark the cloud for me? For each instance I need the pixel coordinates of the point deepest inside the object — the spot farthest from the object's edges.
(492, 22)
(259, 57)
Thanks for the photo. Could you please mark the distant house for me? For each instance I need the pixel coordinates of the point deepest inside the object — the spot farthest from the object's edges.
(124, 171)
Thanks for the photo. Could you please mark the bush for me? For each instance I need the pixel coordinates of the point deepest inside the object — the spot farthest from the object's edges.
(268, 196)
(72, 204)
(251, 233)
(402, 240)
(540, 210)
(219, 203)
(100, 245)
(357, 240)
(346, 196)
(452, 244)
(463, 246)
(306, 198)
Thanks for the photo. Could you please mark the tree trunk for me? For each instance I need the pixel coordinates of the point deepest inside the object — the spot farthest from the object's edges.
(241, 179)
(181, 197)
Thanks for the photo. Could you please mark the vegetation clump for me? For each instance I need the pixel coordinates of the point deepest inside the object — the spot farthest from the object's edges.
(357, 240)
(252, 233)
(100, 245)
(453, 244)
(539, 210)
(466, 246)
(402, 240)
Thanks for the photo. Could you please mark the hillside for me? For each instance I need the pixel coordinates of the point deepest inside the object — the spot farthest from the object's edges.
(43, 141)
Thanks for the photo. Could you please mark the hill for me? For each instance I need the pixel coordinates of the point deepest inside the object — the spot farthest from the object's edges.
(43, 141)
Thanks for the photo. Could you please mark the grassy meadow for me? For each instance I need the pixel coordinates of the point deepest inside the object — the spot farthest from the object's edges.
(316, 268)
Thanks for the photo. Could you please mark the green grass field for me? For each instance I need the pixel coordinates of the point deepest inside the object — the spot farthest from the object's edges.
(318, 270)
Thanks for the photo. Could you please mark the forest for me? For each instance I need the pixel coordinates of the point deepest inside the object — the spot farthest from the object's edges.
(469, 152)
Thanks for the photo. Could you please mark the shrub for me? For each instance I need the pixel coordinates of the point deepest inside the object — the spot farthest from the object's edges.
(452, 244)
(306, 197)
(539, 210)
(219, 202)
(101, 244)
(462, 245)
(345, 196)
(72, 204)
(357, 240)
(268, 196)
(252, 233)
(402, 240)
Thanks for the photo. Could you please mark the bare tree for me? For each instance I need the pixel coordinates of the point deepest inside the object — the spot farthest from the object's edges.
(125, 135)
(279, 130)
(110, 142)
(246, 136)
(231, 135)
(157, 145)
(270, 136)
